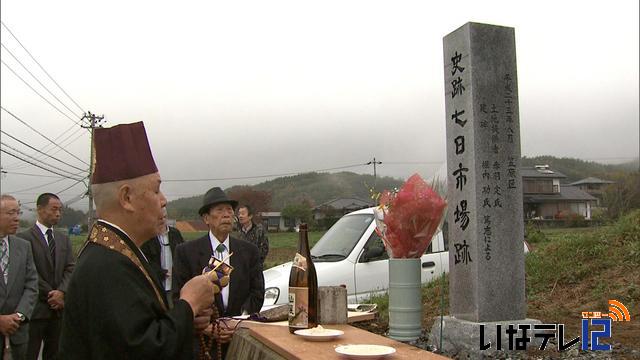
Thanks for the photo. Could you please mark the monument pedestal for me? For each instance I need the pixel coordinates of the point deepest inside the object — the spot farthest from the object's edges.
(463, 337)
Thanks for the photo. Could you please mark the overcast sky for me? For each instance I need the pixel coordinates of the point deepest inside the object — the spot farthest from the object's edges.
(240, 89)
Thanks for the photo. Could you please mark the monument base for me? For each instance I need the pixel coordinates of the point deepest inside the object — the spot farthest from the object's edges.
(462, 338)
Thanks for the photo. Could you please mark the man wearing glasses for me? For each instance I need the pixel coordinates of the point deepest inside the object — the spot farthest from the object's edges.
(18, 283)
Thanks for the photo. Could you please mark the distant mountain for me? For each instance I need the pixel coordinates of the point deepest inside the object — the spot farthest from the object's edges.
(316, 188)
(576, 169)
(184, 208)
(322, 187)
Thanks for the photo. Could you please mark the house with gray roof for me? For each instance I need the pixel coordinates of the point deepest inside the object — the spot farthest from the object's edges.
(545, 197)
(335, 208)
(593, 186)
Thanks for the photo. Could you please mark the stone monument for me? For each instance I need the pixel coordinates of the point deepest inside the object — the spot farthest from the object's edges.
(485, 216)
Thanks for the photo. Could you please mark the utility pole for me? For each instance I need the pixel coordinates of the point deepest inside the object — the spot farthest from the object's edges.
(94, 121)
(374, 163)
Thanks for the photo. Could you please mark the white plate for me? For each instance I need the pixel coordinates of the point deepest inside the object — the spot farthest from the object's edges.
(319, 335)
(365, 351)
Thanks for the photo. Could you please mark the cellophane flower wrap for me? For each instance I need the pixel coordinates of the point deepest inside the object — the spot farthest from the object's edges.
(408, 218)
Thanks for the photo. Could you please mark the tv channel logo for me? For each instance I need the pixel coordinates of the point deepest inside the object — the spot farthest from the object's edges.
(590, 338)
(595, 326)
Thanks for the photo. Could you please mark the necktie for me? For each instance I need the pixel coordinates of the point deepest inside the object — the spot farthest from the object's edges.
(52, 246)
(220, 249)
(4, 259)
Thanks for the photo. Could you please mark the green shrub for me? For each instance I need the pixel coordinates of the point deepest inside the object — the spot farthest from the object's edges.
(575, 220)
(533, 234)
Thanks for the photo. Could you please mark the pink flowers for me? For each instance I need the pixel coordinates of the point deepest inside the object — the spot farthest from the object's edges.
(408, 218)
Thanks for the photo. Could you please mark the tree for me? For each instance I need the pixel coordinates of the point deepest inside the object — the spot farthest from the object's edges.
(72, 217)
(299, 211)
(622, 196)
(258, 200)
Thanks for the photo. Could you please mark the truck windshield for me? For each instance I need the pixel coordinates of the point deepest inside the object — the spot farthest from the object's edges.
(340, 239)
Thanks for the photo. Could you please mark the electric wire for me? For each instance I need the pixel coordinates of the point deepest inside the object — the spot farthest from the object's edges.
(413, 162)
(74, 199)
(27, 174)
(37, 187)
(44, 136)
(70, 141)
(36, 79)
(46, 148)
(36, 165)
(263, 176)
(45, 154)
(69, 187)
(45, 71)
(68, 173)
(78, 122)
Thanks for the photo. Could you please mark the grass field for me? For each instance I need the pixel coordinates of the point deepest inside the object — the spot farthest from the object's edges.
(282, 245)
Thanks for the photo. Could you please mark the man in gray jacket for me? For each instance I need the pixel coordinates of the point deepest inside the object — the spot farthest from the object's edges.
(18, 281)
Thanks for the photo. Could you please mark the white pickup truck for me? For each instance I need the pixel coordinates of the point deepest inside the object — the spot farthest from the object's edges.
(351, 254)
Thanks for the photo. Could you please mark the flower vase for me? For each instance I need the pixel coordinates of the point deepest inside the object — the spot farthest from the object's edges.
(405, 299)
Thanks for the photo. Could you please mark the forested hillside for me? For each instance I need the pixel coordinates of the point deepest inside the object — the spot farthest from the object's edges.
(577, 169)
(317, 188)
(322, 187)
(314, 188)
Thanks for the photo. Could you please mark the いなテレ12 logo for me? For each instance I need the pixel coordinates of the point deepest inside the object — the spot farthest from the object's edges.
(590, 337)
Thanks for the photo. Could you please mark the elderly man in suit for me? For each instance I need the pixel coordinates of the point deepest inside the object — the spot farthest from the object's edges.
(160, 251)
(245, 293)
(18, 283)
(53, 256)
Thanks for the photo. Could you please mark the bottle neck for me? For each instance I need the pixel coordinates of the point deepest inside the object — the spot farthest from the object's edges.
(303, 241)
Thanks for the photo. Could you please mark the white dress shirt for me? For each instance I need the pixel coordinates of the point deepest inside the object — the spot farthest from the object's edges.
(214, 244)
(43, 230)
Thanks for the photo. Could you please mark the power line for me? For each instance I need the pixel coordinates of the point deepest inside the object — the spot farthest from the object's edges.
(36, 165)
(413, 162)
(263, 176)
(33, 159)
(45, 148)
(44, 136)
(47, 155)
(36, 91)
(36, 79)
(27, 174)
(62, 142)
(37, 187)
(45, 71)
(74, 199)
(69, 187)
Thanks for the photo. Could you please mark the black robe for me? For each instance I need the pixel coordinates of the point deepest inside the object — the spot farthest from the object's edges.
(113, 312)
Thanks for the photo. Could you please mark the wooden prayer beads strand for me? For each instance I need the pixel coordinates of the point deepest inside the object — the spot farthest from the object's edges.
(206, 342)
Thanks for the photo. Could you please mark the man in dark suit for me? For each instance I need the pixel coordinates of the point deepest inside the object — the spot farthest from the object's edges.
(18, 281)
(53, 256)
(245, 293)
(160, 251)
